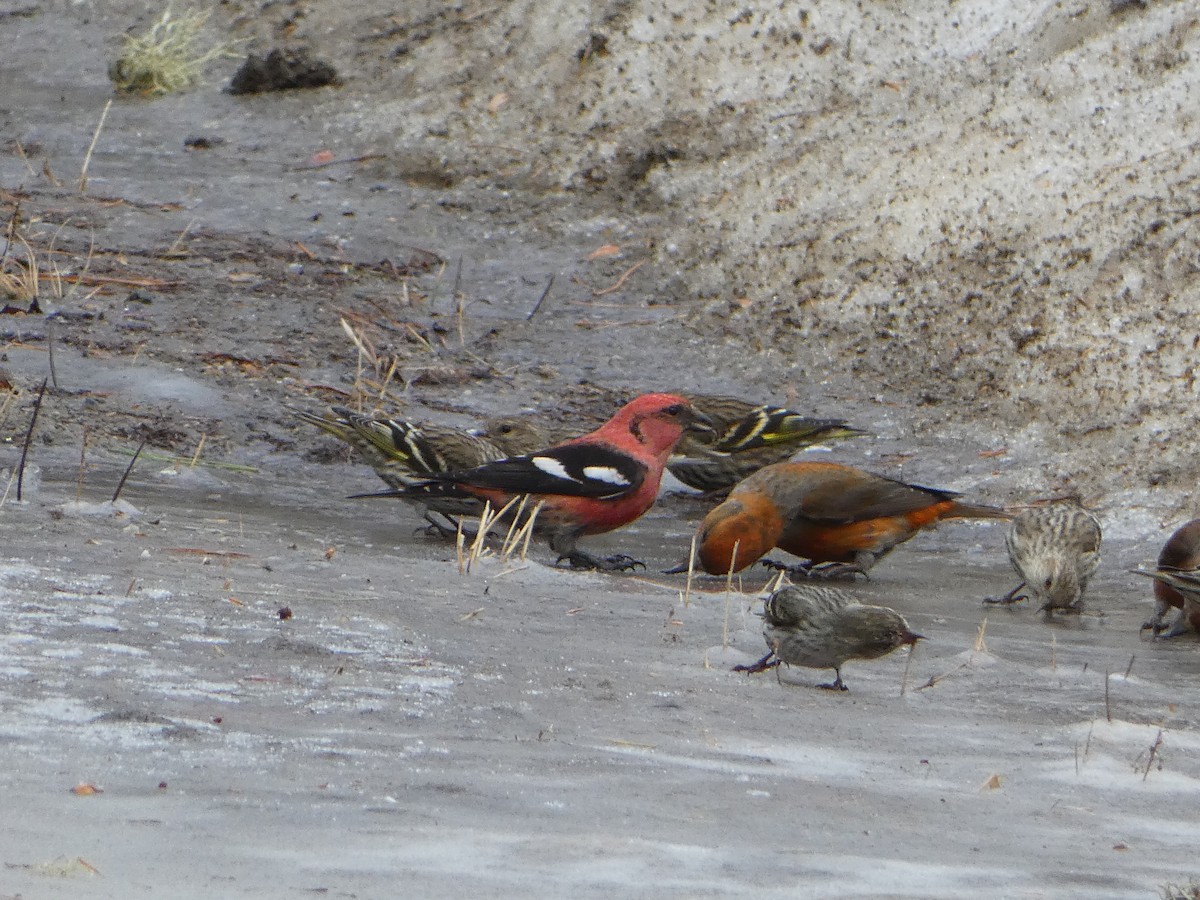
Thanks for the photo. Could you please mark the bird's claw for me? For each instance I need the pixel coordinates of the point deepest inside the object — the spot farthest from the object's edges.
(619, 563)
(1075, 608)
(1156, 627)
(440, 529)
(1008, 599)
(828, 570)
(761, 666)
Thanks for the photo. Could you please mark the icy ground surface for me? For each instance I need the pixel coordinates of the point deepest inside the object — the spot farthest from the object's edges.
(520, 730)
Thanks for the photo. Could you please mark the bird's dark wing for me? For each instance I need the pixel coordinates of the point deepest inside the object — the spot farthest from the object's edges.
(855, 499)
(571, 470)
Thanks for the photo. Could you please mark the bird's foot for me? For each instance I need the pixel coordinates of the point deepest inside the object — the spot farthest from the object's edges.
(1157, 625)
(577, 559)
(761, 666)
(447, 529)
(1013, 596)
(836, 570)
(836, 685)
(826, 570)
(1164, 632)
(1073, 609)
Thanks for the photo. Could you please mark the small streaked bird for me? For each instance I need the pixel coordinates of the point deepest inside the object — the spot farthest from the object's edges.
(587, 485)
(401, 452)
(747, 438)
(1055, 550)
(821, 627)
(1175, 583)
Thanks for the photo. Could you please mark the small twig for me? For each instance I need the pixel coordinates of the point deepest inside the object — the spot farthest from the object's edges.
(1153, 753)
(639, 323)
(460, 303)
(387, 379)
(729, 593)
(37, 408)
(10, 231)
(542, 299)
(8, 487)
(460, 541)
(529, 530)
(1129, 668)
(50, 350)
(337, 162)
(507, 544)
(912, 648)
(82, 463)
(196, 455)
(980, 646)
(620, 281)
(87, 160)
(179, 460)
(691, 571)
(777, 582)
(101, 280)
(1107, 703)
(9, 397)
(173, 250)
(25, 159)
(128, 469)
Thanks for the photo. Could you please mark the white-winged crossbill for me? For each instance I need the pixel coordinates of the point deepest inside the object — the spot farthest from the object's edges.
(1177, 582)
(586, 485)
(839, 518)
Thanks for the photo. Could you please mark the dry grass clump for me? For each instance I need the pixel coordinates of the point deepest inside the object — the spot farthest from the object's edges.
(30, 277)
(19, 278)
(166, 57)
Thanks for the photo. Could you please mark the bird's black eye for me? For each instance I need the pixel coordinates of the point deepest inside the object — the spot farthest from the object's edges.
(674, 409)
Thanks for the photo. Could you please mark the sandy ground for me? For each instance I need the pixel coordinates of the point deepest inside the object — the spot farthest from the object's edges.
(517, 730)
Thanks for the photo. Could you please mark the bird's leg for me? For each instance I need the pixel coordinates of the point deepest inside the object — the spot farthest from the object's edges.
(799, 569)
(578, 559)
(447, 528)
(1181, 625)
(837, 684)
(818, 570)
(761, 666)
(1155, 623)
(563, 543)
(838, 570)
(1013, 596)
